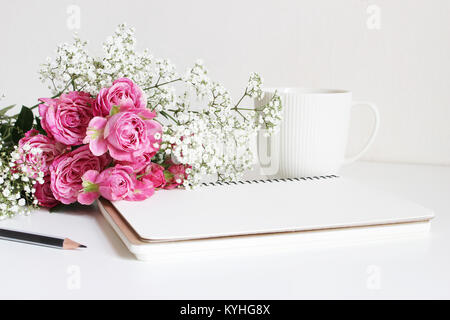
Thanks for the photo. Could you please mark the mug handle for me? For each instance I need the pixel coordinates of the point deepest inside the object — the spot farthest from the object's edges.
(376, 114)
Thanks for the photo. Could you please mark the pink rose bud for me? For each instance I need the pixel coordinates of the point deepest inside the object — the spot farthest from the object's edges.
(154, 173)
(175, 176)
(44, 194)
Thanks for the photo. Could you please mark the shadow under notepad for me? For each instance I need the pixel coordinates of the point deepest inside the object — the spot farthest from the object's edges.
(74, 208)
(117, 244)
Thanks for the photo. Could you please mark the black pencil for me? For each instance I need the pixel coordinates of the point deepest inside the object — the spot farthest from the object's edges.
(39, 240)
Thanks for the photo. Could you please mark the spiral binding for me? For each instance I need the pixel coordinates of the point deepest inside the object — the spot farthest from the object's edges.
(221, 183)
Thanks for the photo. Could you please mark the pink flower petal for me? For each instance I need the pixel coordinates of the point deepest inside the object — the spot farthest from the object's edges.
(95, 136)
(98, 147)
(147, 114)
(98, 123)
(87, 198)
(142, 190)
(91, 176)
(119, 154)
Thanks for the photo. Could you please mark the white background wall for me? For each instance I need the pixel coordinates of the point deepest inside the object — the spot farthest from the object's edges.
(404, 66)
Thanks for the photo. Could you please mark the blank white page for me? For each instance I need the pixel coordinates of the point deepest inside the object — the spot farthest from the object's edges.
(229, 210)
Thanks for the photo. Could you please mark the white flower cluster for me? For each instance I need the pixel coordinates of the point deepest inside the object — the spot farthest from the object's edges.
(270, 115)
(197, 77)
(203, 128)
(72, 68)
(18, 183)
(254, 86)
(216, 140)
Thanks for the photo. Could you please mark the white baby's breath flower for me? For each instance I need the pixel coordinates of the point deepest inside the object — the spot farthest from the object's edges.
(16, 183)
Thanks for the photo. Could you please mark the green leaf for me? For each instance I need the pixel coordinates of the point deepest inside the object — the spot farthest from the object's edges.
(89, 186)
(16, 134)
(6, 109)
(25, 119)
(168, 175)
(23, 123)
(5, 131)
(38, 126)
(114, 110)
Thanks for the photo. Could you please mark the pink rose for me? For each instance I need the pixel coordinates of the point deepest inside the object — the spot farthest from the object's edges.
(175, 176)
(44, 194)
(115, 183)
(139, 163)
(155, 173)
(50, 149)
(67, 170)
(123, 93)
(126, 135)
(143, 189)
(66, 119)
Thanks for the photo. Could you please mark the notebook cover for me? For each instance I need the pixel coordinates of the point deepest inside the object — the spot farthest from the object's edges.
(257, 244)
(253, 208)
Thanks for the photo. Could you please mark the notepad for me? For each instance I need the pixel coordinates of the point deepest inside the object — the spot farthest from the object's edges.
(260, 209)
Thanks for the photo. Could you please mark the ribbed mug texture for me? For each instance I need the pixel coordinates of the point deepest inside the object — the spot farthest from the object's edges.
(313, 133)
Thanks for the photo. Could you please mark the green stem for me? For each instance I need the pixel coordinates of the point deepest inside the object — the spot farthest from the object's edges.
(238, 103)
(55, 96)
(240, 100)
(247, 109)
(161, 84)
(178, 110)
(237, 110)
(168, 116)
(74, 87)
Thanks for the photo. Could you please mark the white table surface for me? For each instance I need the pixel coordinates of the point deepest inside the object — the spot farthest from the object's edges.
(416, 268)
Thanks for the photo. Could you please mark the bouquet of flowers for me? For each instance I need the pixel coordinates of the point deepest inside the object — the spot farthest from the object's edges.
(122, 126)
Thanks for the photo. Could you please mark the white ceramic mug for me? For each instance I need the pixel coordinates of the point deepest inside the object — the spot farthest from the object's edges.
(313, 133)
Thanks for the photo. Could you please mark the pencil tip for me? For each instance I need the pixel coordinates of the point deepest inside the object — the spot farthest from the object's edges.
(71, 245)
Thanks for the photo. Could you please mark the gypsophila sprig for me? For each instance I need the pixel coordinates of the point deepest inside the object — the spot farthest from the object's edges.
(18, 183)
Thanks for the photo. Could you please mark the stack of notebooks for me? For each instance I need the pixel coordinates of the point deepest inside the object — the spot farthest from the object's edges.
(258, 214)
